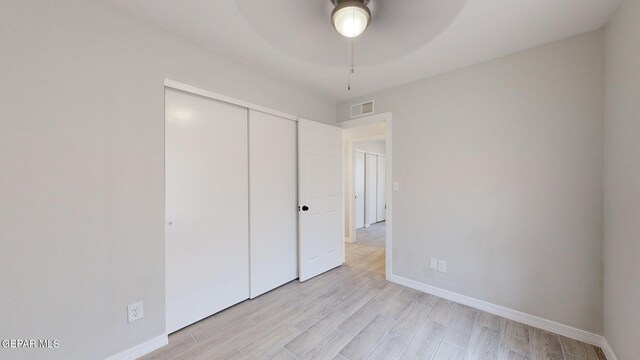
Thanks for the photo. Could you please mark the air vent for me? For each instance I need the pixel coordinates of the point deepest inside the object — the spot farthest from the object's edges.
(362, 109)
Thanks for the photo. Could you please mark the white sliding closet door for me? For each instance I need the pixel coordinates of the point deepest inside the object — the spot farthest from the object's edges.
(381, 194)
(372, 189)
(359, 185)
(207, 239)
(273, 194)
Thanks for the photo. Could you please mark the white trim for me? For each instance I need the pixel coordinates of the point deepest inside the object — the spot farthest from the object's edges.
(607, 350)
(365, 120)
(376, 154)
(142, 349)
(387, 118)
(211, 95)
(531, 320)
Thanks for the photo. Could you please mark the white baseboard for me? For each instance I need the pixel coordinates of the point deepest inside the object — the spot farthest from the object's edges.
(531, 320)
(608, 351)
(142, 349)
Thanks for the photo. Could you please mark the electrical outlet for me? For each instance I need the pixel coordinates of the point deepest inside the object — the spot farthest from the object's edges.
(442, 266)
(433, 264)
(135, 312)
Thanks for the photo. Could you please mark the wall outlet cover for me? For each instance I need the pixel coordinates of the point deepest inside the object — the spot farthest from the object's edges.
(135, 312)
(433, 264)
(442, 266)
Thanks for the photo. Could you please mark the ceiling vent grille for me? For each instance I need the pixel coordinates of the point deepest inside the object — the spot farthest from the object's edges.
(362, 109)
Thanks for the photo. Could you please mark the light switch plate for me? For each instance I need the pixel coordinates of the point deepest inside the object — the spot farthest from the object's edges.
(433, 264)
(442, 266)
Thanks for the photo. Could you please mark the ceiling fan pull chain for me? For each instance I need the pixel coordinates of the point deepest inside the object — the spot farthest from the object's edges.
(351, 64)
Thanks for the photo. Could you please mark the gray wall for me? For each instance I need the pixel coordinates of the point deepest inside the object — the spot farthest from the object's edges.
(82, 168)
(500, 166)
(622, 182)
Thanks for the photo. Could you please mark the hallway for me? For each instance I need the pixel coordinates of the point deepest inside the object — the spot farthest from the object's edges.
(368, 252)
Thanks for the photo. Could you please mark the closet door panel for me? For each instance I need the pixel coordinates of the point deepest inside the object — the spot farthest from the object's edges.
(206, 228)
(273, 201)
(381, 198)
(371, 189)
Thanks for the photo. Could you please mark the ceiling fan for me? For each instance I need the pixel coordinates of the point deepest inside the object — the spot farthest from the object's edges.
(350, 17)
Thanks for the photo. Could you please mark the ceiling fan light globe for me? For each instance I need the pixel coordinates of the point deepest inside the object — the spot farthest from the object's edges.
(351, 18)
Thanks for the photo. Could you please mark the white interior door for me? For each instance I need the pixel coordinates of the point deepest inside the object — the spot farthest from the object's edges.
(206, 231)
(359, 188)
(371, 189)
(381, 194)
(320, 198)
(273, 199)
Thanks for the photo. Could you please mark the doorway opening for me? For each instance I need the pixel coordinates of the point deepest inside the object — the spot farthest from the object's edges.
(367, 182)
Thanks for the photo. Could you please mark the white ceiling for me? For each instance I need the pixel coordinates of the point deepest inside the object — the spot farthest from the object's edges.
(407, 40)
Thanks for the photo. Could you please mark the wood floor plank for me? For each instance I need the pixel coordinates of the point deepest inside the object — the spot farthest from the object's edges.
(461, 326)
(282, 354)
(363, 343)
(312, 316)
(448, 351)
(512, 355)
(545, 345)
(442, 312)
(578, 349)
(265, 330)
(409, 323)
(329, 347)
(355, 302)
(391, 290)
(399, 303)
(485, 344)
(225, 334)
(491, 321)
(361, 318)
(206, 346)
(389, 348)
(427, 299)
(516, 338)
(426, 341)
(268, 344)
(223, 352)
(314, 335)
(266, 312)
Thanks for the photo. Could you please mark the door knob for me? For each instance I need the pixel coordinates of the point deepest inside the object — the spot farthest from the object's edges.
(305, 208)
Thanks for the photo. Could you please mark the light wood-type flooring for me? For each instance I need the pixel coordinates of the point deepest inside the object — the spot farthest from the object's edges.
(352, 313)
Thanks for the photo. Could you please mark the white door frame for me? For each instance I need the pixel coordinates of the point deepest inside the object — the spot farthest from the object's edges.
(348, 153)
(387, 119)
(346, 193)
